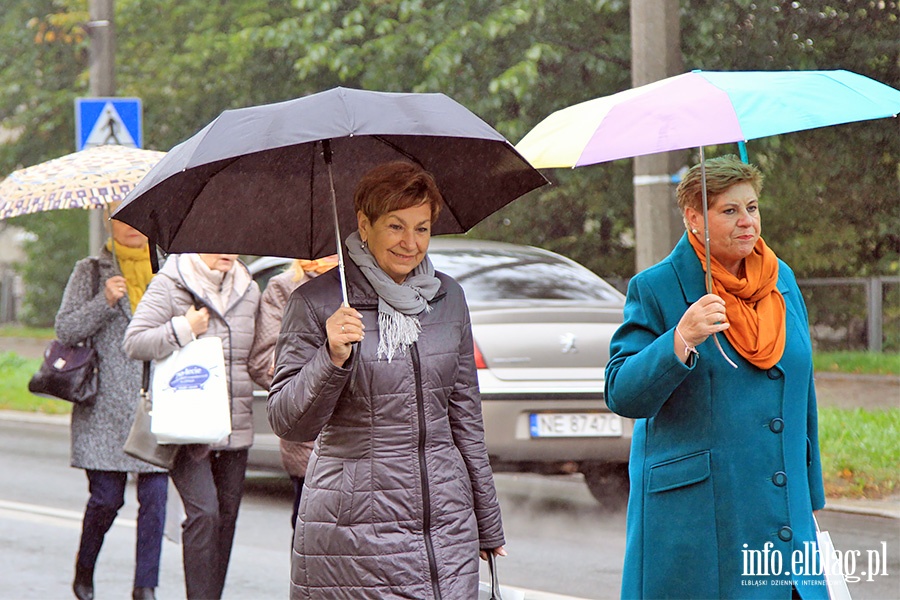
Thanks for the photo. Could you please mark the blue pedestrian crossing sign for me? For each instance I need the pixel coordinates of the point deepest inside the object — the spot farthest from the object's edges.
(100, 121)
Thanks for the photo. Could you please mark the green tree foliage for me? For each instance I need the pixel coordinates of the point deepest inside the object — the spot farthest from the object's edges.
(42, 68)
(515, 62)
(511, 63)
(831, 203)
(49, 265)
(188, 61)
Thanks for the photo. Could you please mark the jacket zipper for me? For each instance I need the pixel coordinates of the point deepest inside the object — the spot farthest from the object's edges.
(423, 473)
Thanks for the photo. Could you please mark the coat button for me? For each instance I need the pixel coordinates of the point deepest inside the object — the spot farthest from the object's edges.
(776, 425)
(774, 373)
(779, 478)
(785, 534)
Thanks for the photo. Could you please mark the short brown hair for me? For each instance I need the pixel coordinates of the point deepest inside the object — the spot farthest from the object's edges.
(395, 186)
(722, 172)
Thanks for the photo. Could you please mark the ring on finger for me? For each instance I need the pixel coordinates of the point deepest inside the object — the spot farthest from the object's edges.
(342, 328)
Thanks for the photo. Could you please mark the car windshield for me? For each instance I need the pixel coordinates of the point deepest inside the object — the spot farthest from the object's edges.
(497, 274)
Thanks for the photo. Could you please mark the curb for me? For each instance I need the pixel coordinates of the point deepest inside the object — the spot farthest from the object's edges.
(888, 509)
(19, 416)
(831, 375)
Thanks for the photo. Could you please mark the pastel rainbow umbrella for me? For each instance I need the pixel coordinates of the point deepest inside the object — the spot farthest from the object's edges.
(703, 108)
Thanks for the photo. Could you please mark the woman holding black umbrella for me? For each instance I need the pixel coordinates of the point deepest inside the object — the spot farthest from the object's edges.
(725, 466)
(399, 496)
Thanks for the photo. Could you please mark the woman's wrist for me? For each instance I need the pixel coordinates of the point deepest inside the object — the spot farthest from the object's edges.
(688, 348)
(184, 332)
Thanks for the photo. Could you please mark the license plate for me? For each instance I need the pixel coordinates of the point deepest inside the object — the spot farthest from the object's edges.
(575, 425)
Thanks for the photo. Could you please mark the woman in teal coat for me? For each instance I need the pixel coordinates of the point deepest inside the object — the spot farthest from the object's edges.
(725, 470)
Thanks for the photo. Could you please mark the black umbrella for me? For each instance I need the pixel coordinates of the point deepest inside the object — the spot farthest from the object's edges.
(258, 180)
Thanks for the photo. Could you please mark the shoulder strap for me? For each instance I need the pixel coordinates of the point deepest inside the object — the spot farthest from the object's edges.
(154, 258)
(95, 289)
(95, 277)
(145, 378)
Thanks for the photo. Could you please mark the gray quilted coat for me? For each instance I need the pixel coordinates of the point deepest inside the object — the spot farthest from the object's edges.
(99, 431)
(151, 336)
(399, 495)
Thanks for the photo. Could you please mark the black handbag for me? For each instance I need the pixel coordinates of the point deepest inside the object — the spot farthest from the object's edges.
(141, 442)
(69, 372)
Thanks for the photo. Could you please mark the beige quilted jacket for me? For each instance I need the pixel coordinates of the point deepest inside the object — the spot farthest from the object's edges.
(294, 455)
(151, 335)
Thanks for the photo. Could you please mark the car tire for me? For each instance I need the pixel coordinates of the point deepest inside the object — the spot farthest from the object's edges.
(608, 483)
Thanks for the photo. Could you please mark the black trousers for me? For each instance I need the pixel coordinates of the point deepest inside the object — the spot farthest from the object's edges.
(210, 485)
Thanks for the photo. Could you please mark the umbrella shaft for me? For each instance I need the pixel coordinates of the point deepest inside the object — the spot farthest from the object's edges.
(337, 228)
(709, 281)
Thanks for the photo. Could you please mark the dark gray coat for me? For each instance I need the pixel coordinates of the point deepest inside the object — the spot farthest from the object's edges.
(399, 494)
(151, 337)
(99, 431)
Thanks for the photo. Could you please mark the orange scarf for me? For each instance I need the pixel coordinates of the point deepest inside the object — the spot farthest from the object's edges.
(753, 305)
(314, 267)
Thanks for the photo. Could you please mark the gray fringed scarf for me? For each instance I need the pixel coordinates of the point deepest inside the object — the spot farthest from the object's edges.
(398, 304)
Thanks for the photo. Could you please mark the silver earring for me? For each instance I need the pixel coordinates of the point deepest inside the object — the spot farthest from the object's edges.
(364, 244)
(694, 231)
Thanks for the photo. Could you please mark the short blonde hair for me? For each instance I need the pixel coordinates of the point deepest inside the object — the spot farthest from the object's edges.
(722, 172)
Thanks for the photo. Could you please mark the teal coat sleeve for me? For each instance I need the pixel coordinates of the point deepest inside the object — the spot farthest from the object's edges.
(643, 370)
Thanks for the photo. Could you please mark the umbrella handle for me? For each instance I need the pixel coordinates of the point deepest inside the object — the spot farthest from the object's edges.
(709, 279)
(107, 225)
(326, 154)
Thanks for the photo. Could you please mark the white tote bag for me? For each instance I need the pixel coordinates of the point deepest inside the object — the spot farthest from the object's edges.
(831, 566)
(190, 395)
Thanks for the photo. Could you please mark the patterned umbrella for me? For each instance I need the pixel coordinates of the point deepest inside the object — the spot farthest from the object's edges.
(91, 178)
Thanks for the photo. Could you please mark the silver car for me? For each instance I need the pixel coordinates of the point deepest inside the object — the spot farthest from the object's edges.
(542, 325)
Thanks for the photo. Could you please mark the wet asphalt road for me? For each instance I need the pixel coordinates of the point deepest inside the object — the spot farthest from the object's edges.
(560, 542)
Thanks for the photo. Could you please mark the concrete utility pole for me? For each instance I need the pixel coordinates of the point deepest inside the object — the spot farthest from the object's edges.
(103, 84)
(655, 55)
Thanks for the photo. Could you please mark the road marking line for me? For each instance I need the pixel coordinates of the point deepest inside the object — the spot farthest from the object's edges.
(71, 518)
(55, 513)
